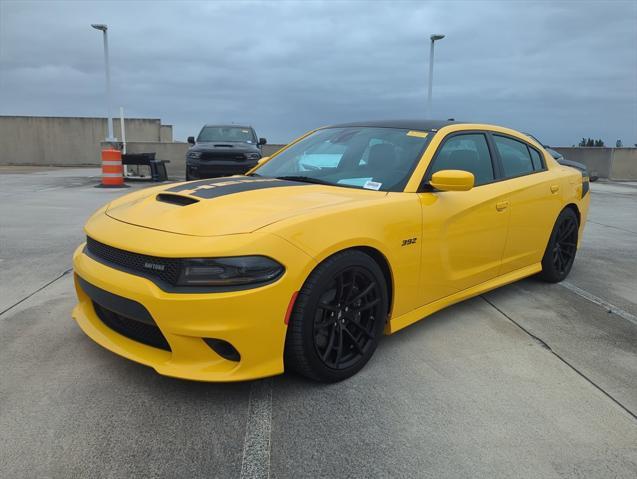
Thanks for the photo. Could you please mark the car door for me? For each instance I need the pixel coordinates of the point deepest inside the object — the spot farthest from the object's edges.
(535, 201)
(464, 232)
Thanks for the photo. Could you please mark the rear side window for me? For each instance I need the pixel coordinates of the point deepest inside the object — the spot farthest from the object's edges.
(466, 152)
(515, 155)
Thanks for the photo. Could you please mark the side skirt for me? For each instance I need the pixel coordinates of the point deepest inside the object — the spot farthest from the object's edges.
(400, 322)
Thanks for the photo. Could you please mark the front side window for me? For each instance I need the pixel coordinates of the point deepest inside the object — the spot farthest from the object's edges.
(468, 152)
(226, 134)
(360, 157)
(516, 159)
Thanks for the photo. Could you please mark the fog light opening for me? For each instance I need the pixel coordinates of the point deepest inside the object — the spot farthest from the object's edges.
(223, 349)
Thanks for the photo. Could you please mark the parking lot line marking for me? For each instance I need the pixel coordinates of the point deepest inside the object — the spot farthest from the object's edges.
(611, 308)
(256, 445)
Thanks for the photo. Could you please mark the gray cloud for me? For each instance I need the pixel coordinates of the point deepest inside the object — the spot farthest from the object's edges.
(561, 70)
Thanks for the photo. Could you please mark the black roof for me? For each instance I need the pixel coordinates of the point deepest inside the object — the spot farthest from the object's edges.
(422, 125)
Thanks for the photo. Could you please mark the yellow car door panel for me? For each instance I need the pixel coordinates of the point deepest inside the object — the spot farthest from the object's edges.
(535, 201)
(464, 232)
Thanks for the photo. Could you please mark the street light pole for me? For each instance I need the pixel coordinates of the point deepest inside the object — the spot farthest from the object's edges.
(104, 29)
(433, 39)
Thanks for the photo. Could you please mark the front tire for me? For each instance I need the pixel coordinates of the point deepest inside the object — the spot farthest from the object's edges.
(560, 252)
(338, 318)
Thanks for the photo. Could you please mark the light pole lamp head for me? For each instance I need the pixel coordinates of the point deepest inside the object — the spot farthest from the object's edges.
(100, 26)
(436, 36)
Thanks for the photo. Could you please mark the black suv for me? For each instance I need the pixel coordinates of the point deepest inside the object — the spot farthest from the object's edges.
(222, 150)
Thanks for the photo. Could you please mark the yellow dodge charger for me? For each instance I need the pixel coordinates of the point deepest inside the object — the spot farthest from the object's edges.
(348, 233)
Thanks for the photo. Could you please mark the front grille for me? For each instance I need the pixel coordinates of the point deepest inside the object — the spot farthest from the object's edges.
(165, 269)
(141, 332)
(222, 155)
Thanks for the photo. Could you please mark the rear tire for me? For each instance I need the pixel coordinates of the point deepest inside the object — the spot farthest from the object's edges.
(338, 318)
(560, 252)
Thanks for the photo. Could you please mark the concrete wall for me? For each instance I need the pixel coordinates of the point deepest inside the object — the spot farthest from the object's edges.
(61, 141)
(166, 133)
(624, 164)
(596, 159)
(268, 150)
(612, 163)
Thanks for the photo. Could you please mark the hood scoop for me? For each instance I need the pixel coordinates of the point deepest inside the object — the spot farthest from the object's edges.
(178, 200)
(221, 145)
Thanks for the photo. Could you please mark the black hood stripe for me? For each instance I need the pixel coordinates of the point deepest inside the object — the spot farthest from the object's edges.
(215, 187)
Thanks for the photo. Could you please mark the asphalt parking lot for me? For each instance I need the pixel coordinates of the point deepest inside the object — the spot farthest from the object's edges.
(531, 380)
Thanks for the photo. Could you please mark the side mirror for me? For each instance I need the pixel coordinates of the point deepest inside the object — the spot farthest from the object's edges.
(263, 160)
(191, 140)
(452, 180)
(262, 141)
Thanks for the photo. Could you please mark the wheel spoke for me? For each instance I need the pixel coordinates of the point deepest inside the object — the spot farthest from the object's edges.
(351, 289)
(568, 229)
(366, 306)
(363, 293)
(360, 326)
(339, 349)
(354, 341)
(330, 343)
(340, 288)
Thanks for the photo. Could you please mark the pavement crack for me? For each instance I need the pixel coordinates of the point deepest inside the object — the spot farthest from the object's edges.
(546, 346)
(614, 227)
(61, 275)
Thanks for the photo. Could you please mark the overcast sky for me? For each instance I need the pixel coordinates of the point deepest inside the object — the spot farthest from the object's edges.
(558, 69)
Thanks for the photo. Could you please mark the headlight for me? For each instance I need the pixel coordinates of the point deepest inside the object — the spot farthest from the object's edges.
(253, 156)
(232, 271)
(194, 154)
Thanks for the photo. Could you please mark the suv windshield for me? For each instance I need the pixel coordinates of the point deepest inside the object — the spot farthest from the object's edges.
(226, 133)
(372, 158)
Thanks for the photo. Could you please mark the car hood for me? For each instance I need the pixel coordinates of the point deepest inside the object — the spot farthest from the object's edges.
(231, 146)
(224, 206)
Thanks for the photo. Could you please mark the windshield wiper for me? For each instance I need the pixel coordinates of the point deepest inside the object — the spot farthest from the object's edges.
(305, 179)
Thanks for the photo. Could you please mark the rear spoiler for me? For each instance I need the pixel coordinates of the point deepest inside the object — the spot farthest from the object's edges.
(581, 167)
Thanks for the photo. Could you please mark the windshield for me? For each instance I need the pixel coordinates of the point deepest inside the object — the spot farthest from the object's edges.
(226, 134)
(372, 158)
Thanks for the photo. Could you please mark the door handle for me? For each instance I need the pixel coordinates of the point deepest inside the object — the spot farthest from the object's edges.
(502, 205)
(555, 188)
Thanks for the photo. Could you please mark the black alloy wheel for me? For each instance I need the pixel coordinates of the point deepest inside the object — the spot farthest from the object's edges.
(345, 318)
(560, 252)
(338, 318)
(565, 246)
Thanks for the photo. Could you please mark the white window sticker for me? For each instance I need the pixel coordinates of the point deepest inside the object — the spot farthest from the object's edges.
(372, 185)
(354, 181)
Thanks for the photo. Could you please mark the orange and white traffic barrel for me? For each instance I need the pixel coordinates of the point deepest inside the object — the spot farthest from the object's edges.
(112, 170)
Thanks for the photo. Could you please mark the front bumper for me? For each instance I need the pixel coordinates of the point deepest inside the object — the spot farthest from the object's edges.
(250, 320)
(198, 169)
